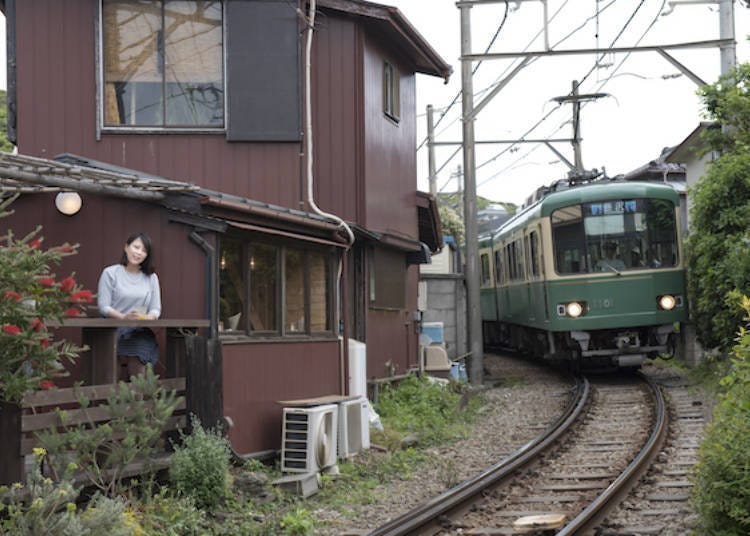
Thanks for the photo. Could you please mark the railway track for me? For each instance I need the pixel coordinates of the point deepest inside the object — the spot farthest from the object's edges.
(564, 479)
(660, 504)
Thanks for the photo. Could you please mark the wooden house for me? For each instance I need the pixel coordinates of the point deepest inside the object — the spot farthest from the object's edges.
(209, 94)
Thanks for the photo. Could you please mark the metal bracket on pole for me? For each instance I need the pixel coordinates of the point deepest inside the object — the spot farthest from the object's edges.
(684, 70)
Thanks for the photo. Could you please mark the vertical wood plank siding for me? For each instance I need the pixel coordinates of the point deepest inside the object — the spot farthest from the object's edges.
(257, 375)
(57, 114)
(390, 156)
(365, 171)
(100, 228)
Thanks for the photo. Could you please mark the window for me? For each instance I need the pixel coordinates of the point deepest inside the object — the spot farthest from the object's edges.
(498, 268)
(486, 273)
(162, 63)
(274, 290)
(387, 279)
(611, 236)
(391, 92)
(534, 252)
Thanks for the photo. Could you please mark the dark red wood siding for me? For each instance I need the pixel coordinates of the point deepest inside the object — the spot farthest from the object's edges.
(100, 229)
(258, 375)
(390, 148)
(57, 113)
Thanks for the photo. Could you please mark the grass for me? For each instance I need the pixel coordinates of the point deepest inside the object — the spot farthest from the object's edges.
(416, 414)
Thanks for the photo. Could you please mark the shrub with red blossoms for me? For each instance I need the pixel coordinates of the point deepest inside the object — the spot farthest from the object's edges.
(31, 296)
(67, 284)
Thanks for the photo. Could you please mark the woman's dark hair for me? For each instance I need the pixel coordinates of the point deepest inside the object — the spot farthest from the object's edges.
(146, 266)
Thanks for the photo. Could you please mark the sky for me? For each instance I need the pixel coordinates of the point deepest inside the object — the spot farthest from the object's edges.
(649, 106)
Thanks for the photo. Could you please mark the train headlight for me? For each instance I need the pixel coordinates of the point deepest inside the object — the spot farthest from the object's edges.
(667, 302)
(574, 309)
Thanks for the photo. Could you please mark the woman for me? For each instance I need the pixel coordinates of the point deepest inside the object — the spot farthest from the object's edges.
(130, 290)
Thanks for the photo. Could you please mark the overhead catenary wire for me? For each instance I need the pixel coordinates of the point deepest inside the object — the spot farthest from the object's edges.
(600, 87)
(508, 69)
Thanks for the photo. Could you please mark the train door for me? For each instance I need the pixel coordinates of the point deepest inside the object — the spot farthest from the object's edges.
(538, 293)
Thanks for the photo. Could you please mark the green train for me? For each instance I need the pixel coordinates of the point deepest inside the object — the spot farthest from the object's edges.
(590, 274)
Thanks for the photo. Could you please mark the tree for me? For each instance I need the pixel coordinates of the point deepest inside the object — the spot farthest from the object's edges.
(5, 145)
(30, 295)
(719, 242)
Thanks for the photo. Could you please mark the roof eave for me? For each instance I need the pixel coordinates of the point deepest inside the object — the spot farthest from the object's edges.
(392, 22)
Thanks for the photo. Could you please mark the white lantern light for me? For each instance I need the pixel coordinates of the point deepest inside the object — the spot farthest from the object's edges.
(68, 202)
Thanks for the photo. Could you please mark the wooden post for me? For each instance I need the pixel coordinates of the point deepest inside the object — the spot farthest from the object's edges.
(11, 462)
(203, 382)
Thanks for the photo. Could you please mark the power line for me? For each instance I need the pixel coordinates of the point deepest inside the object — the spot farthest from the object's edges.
(603, 83)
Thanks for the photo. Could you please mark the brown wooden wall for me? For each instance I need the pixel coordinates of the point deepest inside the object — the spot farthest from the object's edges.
(362, 159)
(390, 147)
(57, 114)
(390, 334)
(101, 228)
(257, 375)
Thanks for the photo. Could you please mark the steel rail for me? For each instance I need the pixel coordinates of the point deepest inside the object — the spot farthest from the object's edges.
(421, 517)
(623, 484)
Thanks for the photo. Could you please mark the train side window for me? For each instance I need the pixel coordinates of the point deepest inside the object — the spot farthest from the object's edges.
(486, 274)
(527, 254)
(498, 267)
(510, 261)
(534, 252)
(518, 251)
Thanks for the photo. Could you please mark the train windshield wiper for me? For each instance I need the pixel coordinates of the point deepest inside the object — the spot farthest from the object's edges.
(615, 270)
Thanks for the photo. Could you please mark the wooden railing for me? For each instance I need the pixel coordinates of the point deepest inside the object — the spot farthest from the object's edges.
(193, 370)
(100, 335)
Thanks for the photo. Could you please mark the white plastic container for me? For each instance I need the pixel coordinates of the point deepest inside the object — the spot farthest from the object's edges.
(357, 368)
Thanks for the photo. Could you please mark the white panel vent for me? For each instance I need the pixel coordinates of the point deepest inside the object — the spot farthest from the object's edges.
(309, 438)
(354, 427)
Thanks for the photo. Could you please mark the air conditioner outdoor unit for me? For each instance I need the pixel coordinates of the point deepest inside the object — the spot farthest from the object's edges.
(354, 427)
(309, 438)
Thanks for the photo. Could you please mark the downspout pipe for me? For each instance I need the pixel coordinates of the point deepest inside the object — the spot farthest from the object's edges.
(310, 22)
(344, 337)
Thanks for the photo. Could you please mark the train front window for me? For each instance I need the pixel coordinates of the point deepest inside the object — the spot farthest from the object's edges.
(613, 236)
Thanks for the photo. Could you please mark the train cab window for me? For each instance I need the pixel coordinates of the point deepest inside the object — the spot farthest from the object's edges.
(616, 235)
(486, 273)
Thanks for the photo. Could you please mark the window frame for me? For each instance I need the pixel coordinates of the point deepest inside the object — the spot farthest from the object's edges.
(280, 330)
(101, 128)
(391, 91)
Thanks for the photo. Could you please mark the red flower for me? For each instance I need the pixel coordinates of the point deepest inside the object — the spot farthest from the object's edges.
(35, 244)
(82, 296)
(72, 312)
(10, 329)
(47, 384)
(66, 248)
(44, 343)
(47, 282)
(35, 324)
(9, 294)
(67, 284)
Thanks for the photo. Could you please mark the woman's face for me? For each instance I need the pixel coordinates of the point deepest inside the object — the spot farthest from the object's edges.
(136, 252)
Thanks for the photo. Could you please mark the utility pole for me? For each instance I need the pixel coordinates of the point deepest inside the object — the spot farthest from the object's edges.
(431, 151)
(576, 98)
(726, 31)
(475, 364)
(577, 158)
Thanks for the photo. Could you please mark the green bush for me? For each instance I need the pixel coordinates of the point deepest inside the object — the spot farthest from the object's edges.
(722, 476)
(430, 410)
(47, 508)
(138, 413)
(200, 466)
